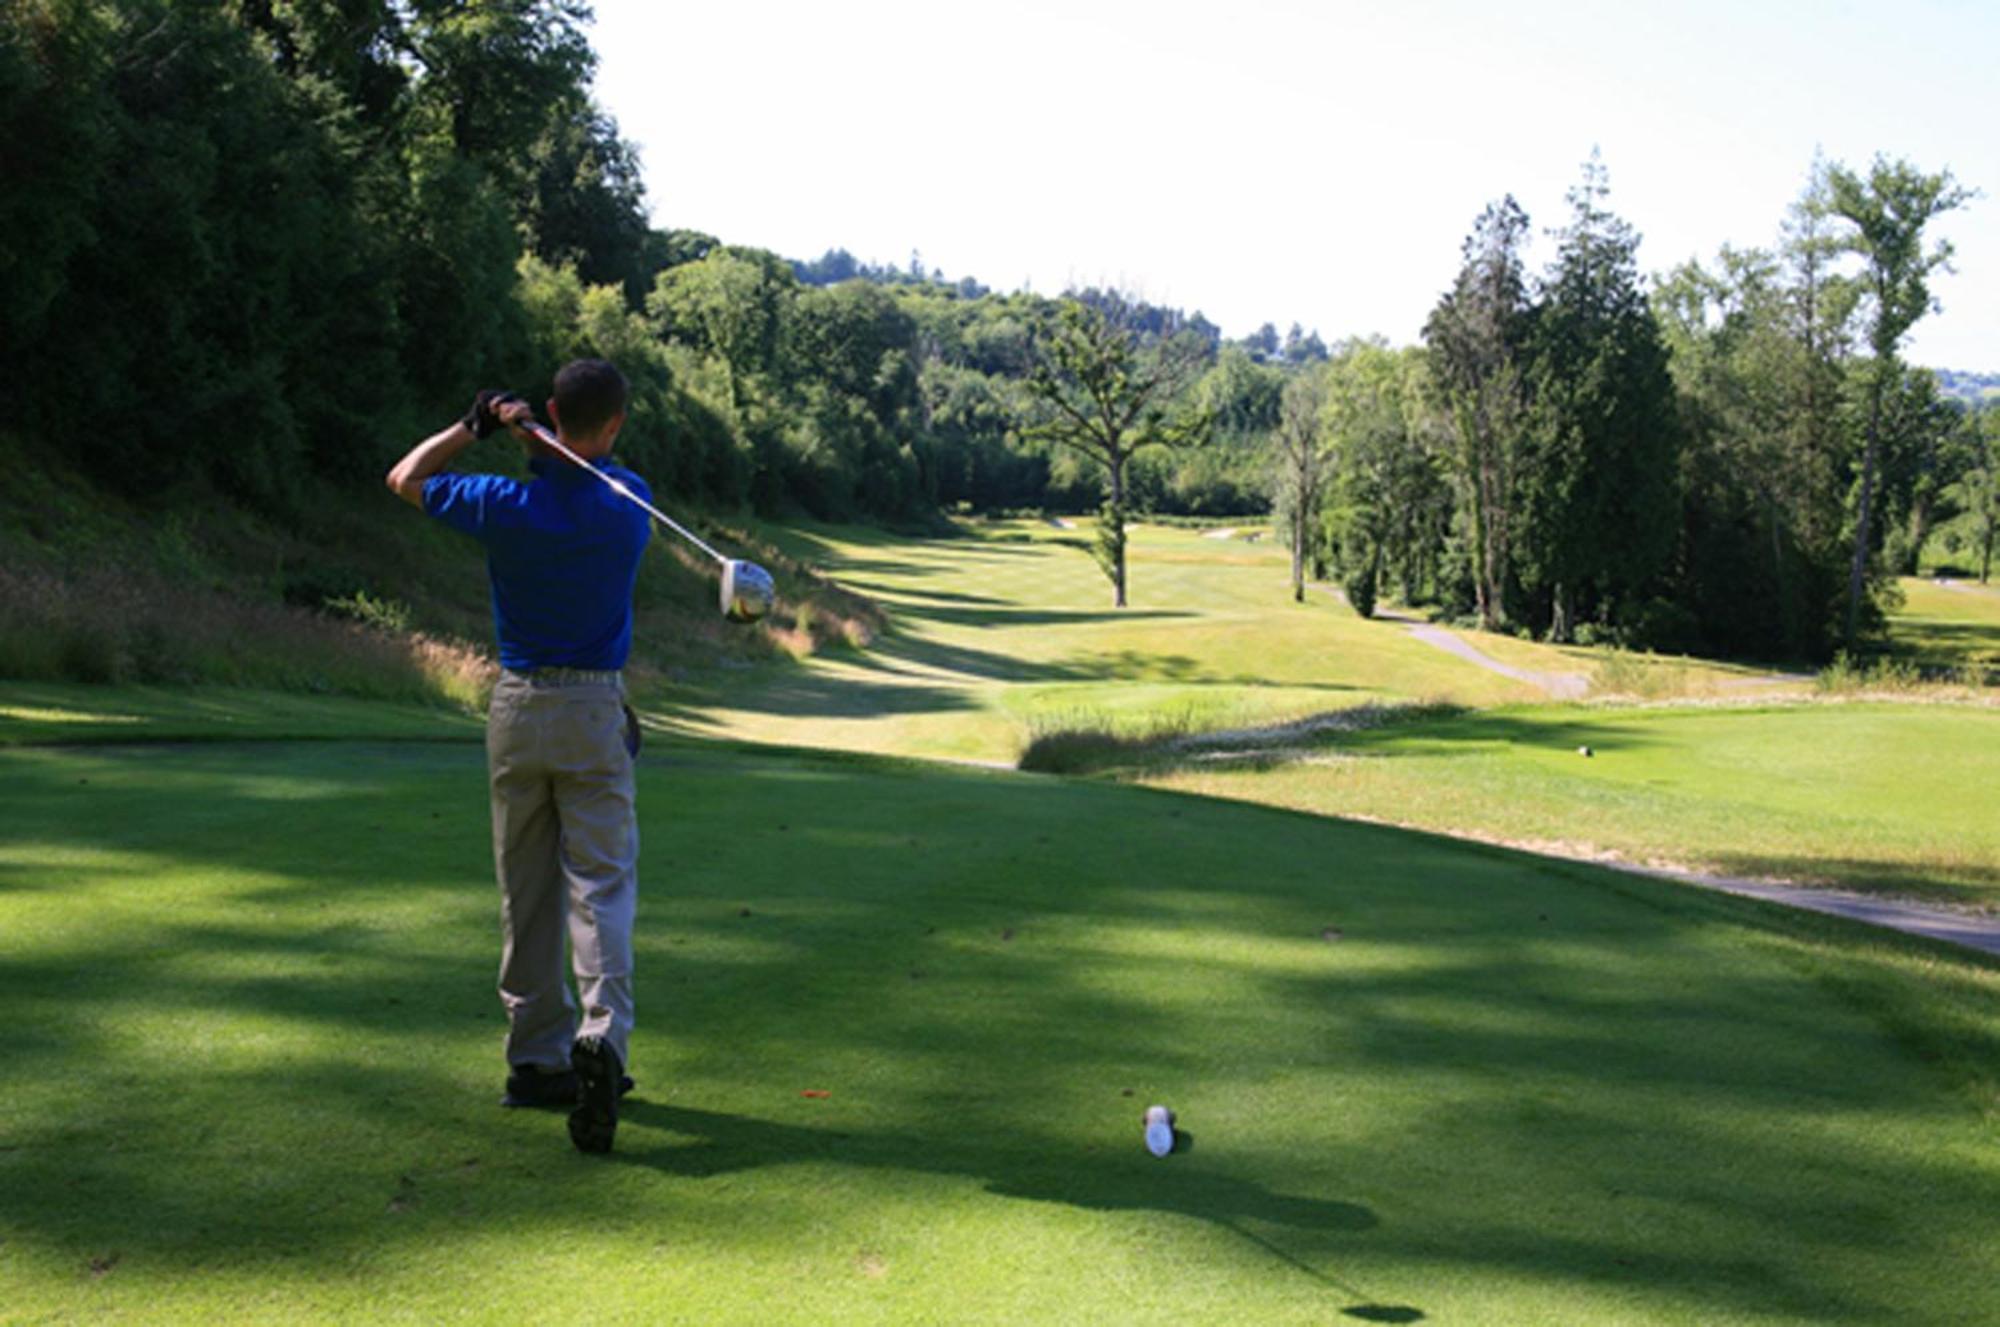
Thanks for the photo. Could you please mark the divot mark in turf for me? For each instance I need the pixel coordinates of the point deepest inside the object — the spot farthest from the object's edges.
(1331, 933)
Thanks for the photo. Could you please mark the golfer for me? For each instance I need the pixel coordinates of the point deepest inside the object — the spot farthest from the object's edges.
(562, 552)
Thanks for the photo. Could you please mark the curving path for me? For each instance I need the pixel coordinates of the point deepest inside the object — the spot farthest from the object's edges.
(1955, 926)
(1559, 686)
(1973, 930)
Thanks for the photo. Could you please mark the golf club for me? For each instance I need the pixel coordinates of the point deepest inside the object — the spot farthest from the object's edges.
(747, 591)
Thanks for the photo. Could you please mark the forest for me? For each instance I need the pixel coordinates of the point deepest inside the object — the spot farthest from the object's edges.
(251, 250)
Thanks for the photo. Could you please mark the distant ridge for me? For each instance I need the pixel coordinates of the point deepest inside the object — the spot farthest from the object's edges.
(1971, 388)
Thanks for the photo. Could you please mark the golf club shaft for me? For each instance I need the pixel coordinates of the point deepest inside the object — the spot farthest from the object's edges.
(548, 439)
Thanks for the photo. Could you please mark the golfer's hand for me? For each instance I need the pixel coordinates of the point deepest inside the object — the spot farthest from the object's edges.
(484, 418)
(512, 412)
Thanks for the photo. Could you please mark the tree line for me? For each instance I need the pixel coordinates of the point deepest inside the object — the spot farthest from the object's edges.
(255, 247)
(1737, 460)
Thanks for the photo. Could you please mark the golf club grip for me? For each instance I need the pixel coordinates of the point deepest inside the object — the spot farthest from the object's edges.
(548, 439)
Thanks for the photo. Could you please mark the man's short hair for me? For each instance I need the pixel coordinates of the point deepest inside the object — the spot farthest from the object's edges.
(589, 393)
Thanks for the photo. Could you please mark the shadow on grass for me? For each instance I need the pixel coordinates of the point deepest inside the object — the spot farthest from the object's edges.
(1038, 617)
(728, 1144)
(1574, 1079)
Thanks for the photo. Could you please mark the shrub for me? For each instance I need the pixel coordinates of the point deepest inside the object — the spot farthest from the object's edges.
(1080, 744)
(1646, 677)
(1360, 589)
(1847, 675)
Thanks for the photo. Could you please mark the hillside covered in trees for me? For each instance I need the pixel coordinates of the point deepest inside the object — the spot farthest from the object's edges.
(252, 250)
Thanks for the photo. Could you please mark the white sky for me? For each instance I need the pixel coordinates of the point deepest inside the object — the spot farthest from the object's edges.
(1272, 160)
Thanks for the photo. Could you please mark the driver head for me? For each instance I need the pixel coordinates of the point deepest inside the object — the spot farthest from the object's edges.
(747, 592)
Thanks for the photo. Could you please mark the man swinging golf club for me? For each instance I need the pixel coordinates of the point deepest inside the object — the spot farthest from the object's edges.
(562, 552)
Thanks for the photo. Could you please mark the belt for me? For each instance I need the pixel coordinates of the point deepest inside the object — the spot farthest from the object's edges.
(566, 677)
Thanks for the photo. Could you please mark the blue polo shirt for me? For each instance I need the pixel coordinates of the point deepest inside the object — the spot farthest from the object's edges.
(562, 551)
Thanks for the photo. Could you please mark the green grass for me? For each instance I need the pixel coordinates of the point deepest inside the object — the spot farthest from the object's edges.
(69, 712)
(1944, 629)
(1009, 630)
(247, 942)
(1887, 797)
(254, 1052)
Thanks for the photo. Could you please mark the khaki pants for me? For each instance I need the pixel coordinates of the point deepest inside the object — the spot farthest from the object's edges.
(566, 851)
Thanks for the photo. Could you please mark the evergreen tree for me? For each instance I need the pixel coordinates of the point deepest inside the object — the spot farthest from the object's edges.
(1600, 468)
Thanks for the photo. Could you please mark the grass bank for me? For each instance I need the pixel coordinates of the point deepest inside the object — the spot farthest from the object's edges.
(354, 596)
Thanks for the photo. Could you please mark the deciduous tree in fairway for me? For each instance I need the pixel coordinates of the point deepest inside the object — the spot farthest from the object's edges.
(1106, 392)
(1888, 210)
(1477, 336)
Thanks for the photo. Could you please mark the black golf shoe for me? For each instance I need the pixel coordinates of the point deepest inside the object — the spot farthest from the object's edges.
(529, 1086)
(532, 1087)
(598, 1074)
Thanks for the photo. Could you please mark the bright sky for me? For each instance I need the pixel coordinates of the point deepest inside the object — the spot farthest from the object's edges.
(1266, 160)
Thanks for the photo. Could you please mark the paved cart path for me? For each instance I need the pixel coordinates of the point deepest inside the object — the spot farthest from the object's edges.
(1973, 930)
(1559, 686)
(1957, 926)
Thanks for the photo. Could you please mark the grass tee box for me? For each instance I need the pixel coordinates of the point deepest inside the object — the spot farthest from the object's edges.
(255, 1053)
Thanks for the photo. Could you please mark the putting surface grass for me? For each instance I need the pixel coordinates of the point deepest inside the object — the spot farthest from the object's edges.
(254, 1054)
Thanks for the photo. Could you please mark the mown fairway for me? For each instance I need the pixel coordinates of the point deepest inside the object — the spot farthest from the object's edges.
(256, 1051)
(1950, 624)
(1010, 629)
(1874, 796)
(1006, 632)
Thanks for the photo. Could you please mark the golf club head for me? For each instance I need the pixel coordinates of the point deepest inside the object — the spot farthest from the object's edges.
(747, 592)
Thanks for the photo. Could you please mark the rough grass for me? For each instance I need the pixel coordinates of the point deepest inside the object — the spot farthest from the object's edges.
(256, 1051)
(110, 626)
(356, 596)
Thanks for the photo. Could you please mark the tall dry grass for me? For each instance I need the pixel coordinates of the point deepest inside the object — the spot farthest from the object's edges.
(114, 625)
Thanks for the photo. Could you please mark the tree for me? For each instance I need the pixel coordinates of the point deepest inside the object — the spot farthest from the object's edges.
(732, 303)
(1976, 492)
(1477, 336)
(1388, 507)
(1300, 440)
(1888, 211)
(1598, 476)
(1107, 394)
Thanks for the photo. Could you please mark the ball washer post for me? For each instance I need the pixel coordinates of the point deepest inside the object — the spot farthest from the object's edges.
(747, 591)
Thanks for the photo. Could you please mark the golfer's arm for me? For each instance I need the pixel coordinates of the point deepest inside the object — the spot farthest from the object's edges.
(406, 477)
